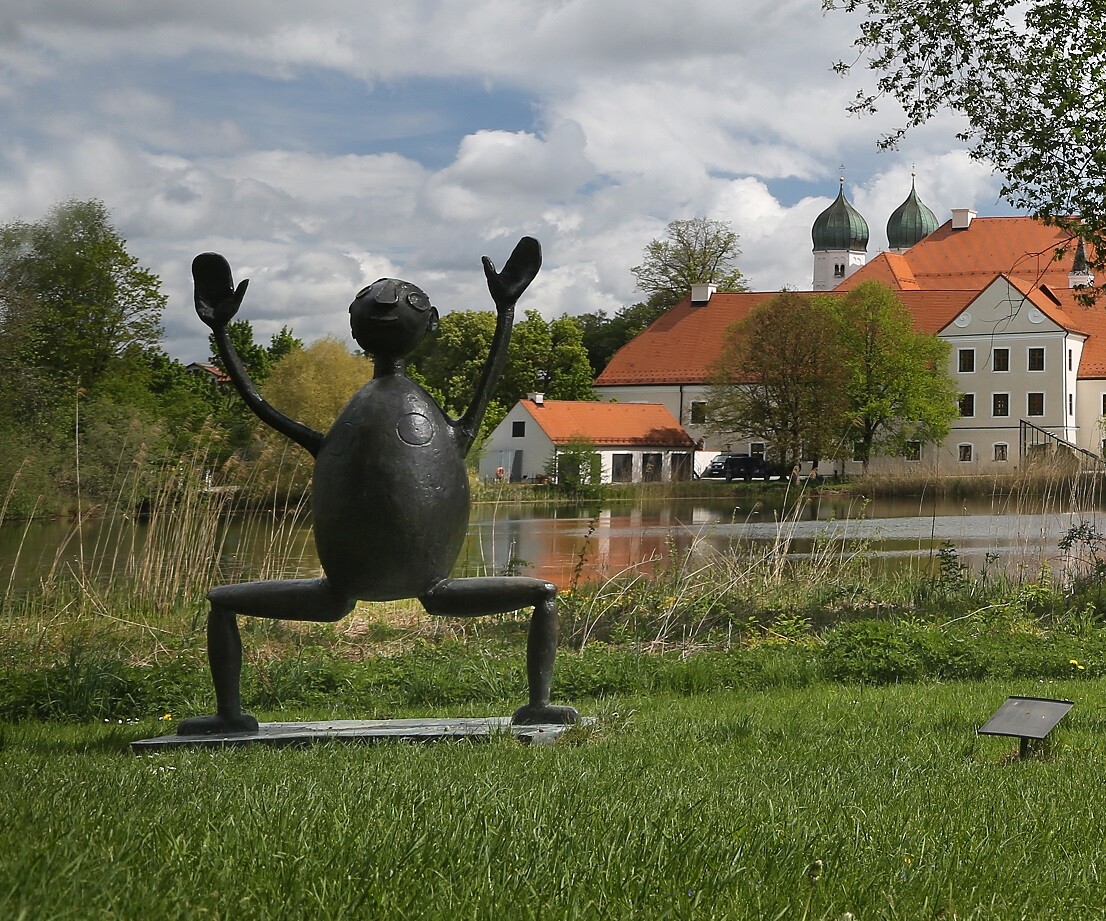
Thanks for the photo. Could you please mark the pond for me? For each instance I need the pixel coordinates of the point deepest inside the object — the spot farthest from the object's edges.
(571, 543)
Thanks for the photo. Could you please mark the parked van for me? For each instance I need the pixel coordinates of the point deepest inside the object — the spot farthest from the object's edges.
(743, 467)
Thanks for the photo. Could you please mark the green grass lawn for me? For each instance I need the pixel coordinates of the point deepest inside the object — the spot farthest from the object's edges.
(713, 805)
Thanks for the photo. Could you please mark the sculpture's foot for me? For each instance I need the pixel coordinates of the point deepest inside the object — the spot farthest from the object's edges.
(533, 715)
(216, 725)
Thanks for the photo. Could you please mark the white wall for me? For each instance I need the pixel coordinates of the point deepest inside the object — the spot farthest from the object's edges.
(1002, 319)
(537, 449)
(502, 446)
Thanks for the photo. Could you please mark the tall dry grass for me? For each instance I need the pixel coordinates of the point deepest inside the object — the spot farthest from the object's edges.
(142, 562)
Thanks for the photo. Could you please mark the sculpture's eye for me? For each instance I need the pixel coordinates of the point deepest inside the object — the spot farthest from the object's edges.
(418, 300)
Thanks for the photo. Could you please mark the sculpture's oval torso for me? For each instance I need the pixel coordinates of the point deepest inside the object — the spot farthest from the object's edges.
(390, 498)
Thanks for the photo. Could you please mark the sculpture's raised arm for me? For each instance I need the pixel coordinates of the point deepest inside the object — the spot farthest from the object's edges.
(506, 288)
(217, 301)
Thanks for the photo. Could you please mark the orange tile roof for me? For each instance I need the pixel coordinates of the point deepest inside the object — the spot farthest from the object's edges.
(1018, 247)
(648, 424)
(1089, 320)
(936, 279)
(681, 346)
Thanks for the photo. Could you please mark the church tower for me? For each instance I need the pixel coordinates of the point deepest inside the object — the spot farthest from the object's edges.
(909, 222)
(840, 238)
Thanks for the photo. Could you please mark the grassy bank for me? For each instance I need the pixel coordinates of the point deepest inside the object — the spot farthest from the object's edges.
(777, 737)
(789, 803)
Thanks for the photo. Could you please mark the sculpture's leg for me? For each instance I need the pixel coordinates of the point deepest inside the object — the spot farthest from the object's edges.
(498, 595)
(293, 599)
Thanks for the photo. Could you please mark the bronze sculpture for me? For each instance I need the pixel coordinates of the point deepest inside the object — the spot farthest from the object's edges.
(390, 493)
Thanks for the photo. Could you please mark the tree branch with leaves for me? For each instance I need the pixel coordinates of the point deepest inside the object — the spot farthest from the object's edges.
(697, 251)
(1027, 77)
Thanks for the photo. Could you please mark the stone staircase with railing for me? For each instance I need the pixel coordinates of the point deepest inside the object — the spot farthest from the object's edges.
(1038, 444)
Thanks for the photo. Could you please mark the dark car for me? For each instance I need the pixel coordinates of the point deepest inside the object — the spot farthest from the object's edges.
(742, 467)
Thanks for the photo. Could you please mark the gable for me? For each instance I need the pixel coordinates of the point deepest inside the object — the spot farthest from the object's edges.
(1006, 307)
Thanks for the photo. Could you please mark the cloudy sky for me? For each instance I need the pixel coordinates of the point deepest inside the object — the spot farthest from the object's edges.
(321, 145)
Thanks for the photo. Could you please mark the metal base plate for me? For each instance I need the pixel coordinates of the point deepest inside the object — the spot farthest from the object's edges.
(475, 729)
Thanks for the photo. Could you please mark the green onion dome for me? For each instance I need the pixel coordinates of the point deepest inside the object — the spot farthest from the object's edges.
(909, 222)
(840, 226)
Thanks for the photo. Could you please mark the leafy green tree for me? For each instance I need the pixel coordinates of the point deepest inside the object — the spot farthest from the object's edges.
(696, 251)
(254, 355)
(570, 374)
(87, 388)
(546, 357)
(781, 377)
(528, 360)
(1027, 77)
(449, 363)
(311, 385)
(898, 387)
(73, 301)
(576, 468)
(234, 417)
(282, 344)
(543, 356)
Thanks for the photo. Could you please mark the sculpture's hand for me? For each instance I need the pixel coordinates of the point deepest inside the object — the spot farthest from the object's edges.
(506, 287)
(217, 300)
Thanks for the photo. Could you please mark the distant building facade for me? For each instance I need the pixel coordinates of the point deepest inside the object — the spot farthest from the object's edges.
(636, 442)
(1024, 347)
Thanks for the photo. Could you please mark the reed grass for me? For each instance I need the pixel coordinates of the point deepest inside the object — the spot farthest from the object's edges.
(147, 593)
(159, 544)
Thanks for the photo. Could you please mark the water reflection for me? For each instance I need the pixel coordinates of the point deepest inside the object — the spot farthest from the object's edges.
(568, 544)
(597, 542)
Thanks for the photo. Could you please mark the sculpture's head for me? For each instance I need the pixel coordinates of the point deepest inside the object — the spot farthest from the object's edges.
(390, 317)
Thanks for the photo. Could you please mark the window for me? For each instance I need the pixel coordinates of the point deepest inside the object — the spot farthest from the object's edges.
(838, 270)
(1034, 404)
(518, 429)
(967, 405)
(966, 360)
(1000, 404)
(964, 453)
(622, 468)
(1000, 452)
(651, 468)
(756, 449)
(1000, 360)
(681, 467)
(1036, 359)
(698, 412)
(1071, 404)
(913, 451)
(1104, 404)
(1069, 359)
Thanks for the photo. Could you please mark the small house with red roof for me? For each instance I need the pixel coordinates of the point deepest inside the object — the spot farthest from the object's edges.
(208, 372)
(1027, 354)
(636, 442)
